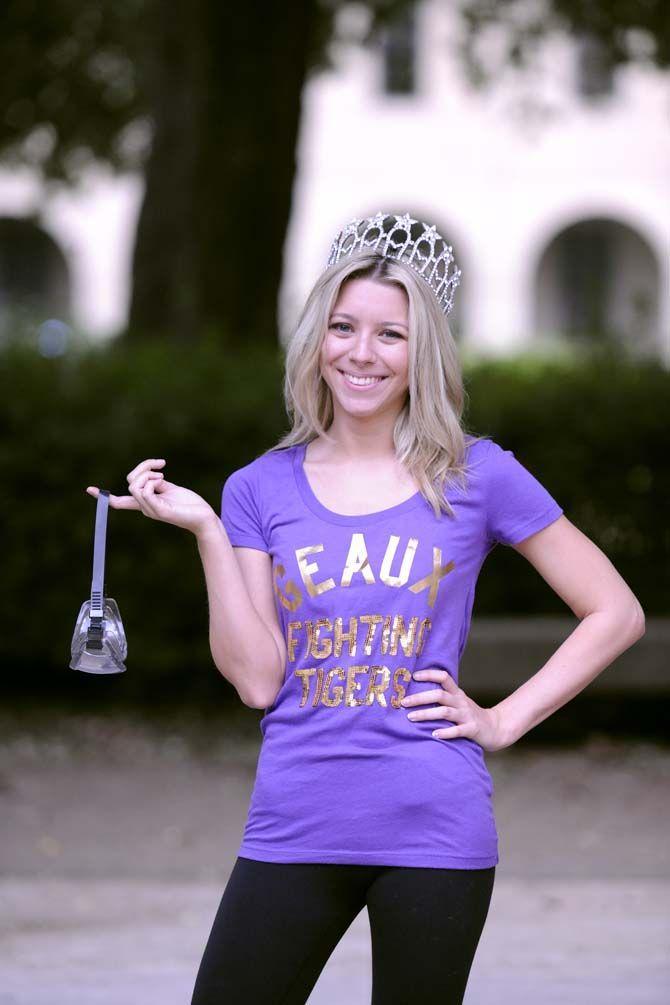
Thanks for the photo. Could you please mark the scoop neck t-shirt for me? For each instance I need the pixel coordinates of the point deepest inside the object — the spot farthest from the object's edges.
(364, 601)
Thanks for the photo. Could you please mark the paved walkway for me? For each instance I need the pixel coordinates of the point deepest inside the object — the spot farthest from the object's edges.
(118, 838)
(546, 942)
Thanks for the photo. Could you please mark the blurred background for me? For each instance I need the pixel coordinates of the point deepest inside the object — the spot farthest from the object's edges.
(171, 178)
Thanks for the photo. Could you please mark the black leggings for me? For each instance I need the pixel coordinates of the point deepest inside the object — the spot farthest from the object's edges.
(277, 925)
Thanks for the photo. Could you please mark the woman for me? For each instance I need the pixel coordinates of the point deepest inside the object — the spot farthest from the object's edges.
(341, 576)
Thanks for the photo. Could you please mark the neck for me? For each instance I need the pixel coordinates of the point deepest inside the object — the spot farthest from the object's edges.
(371, 439)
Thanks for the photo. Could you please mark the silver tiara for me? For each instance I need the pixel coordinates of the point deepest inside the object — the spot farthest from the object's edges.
(411, 241)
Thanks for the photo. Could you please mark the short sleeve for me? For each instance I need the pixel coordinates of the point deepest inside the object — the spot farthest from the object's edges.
(518, 505)
(240, 510)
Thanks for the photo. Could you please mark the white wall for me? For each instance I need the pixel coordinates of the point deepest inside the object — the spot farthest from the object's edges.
(94, 226)
(501, 185)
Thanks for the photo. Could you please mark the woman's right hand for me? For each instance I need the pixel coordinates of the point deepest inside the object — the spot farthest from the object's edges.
(160, 499)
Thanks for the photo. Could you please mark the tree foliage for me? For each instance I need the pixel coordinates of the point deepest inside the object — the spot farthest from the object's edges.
(74, 83)
(204, 97)
(625, 31)
(78, 80)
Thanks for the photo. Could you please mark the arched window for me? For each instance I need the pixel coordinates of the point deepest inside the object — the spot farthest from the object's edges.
(34, 280)
(398, 51)
(598, 280)
(594, 68)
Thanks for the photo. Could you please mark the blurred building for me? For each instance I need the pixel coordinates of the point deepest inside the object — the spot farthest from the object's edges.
(68, 256)
(553, 190)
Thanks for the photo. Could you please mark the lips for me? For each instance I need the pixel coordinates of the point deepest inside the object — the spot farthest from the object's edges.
(362, 380)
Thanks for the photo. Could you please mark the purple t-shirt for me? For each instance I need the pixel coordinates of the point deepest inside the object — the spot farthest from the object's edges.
(343, 775)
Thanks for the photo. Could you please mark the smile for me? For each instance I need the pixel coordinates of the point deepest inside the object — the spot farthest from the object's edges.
(357, 381)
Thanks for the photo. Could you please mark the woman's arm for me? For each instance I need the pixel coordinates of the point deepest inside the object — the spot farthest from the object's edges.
(611, 620)
(245, 638)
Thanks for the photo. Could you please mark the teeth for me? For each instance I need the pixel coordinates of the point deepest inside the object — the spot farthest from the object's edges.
(362, 380)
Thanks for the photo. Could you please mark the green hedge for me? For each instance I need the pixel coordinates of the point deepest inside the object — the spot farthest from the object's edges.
(594, 432)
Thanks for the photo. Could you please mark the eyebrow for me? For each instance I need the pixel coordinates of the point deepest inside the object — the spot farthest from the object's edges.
(351, 317)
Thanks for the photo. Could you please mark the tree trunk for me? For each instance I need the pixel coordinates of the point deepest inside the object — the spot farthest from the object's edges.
(225, 88)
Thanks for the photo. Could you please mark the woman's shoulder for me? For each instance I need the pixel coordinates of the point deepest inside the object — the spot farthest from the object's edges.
(476, 441)
(265, 468)
(478, 448)
(483, 446)
(483, 458)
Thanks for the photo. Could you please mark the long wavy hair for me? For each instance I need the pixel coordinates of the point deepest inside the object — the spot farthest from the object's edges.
(429, 434)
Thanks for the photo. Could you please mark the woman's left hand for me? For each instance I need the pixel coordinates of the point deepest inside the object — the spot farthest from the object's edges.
(471, 720)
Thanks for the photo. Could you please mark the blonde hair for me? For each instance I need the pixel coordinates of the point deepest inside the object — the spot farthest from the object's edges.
(429, 435)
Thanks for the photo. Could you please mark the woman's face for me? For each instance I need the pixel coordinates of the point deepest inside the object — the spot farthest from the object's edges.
(364, 356)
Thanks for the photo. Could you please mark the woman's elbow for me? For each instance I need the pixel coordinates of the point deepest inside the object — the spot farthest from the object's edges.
(255, 701)
(633, 619)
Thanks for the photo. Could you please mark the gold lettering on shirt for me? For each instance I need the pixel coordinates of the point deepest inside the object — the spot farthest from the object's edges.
(341, 636)
(406, 565)
(291, 643)
(305, 676)
(292, 597)
(371, 620)
(433, 580)
(376, 690)
(424, 628)
(403, 635)
(319, 687)
(308, 569)
(386, 634)
(334, 698)
(401, 672)
(357, 561)
(321, 648)
(352, 686)
(354, 694)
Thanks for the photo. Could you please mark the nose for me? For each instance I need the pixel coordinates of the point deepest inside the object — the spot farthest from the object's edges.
(362, 349)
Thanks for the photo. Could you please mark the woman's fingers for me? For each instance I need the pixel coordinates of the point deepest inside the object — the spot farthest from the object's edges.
(138, 478)
(151, 485)
(448, 692)
(443, 712)
(152, 462)
(145, 486)
(138, 489)
(142, 479)
(135, 500)
(423, 697)
(441, 677)
(116, 502)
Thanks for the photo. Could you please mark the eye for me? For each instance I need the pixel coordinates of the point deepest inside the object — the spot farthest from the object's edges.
(344, 327)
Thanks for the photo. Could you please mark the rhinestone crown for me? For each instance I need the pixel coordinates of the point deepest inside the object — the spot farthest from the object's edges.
(413, 242)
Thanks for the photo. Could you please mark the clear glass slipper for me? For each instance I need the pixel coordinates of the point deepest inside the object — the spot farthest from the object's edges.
(99, 640)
